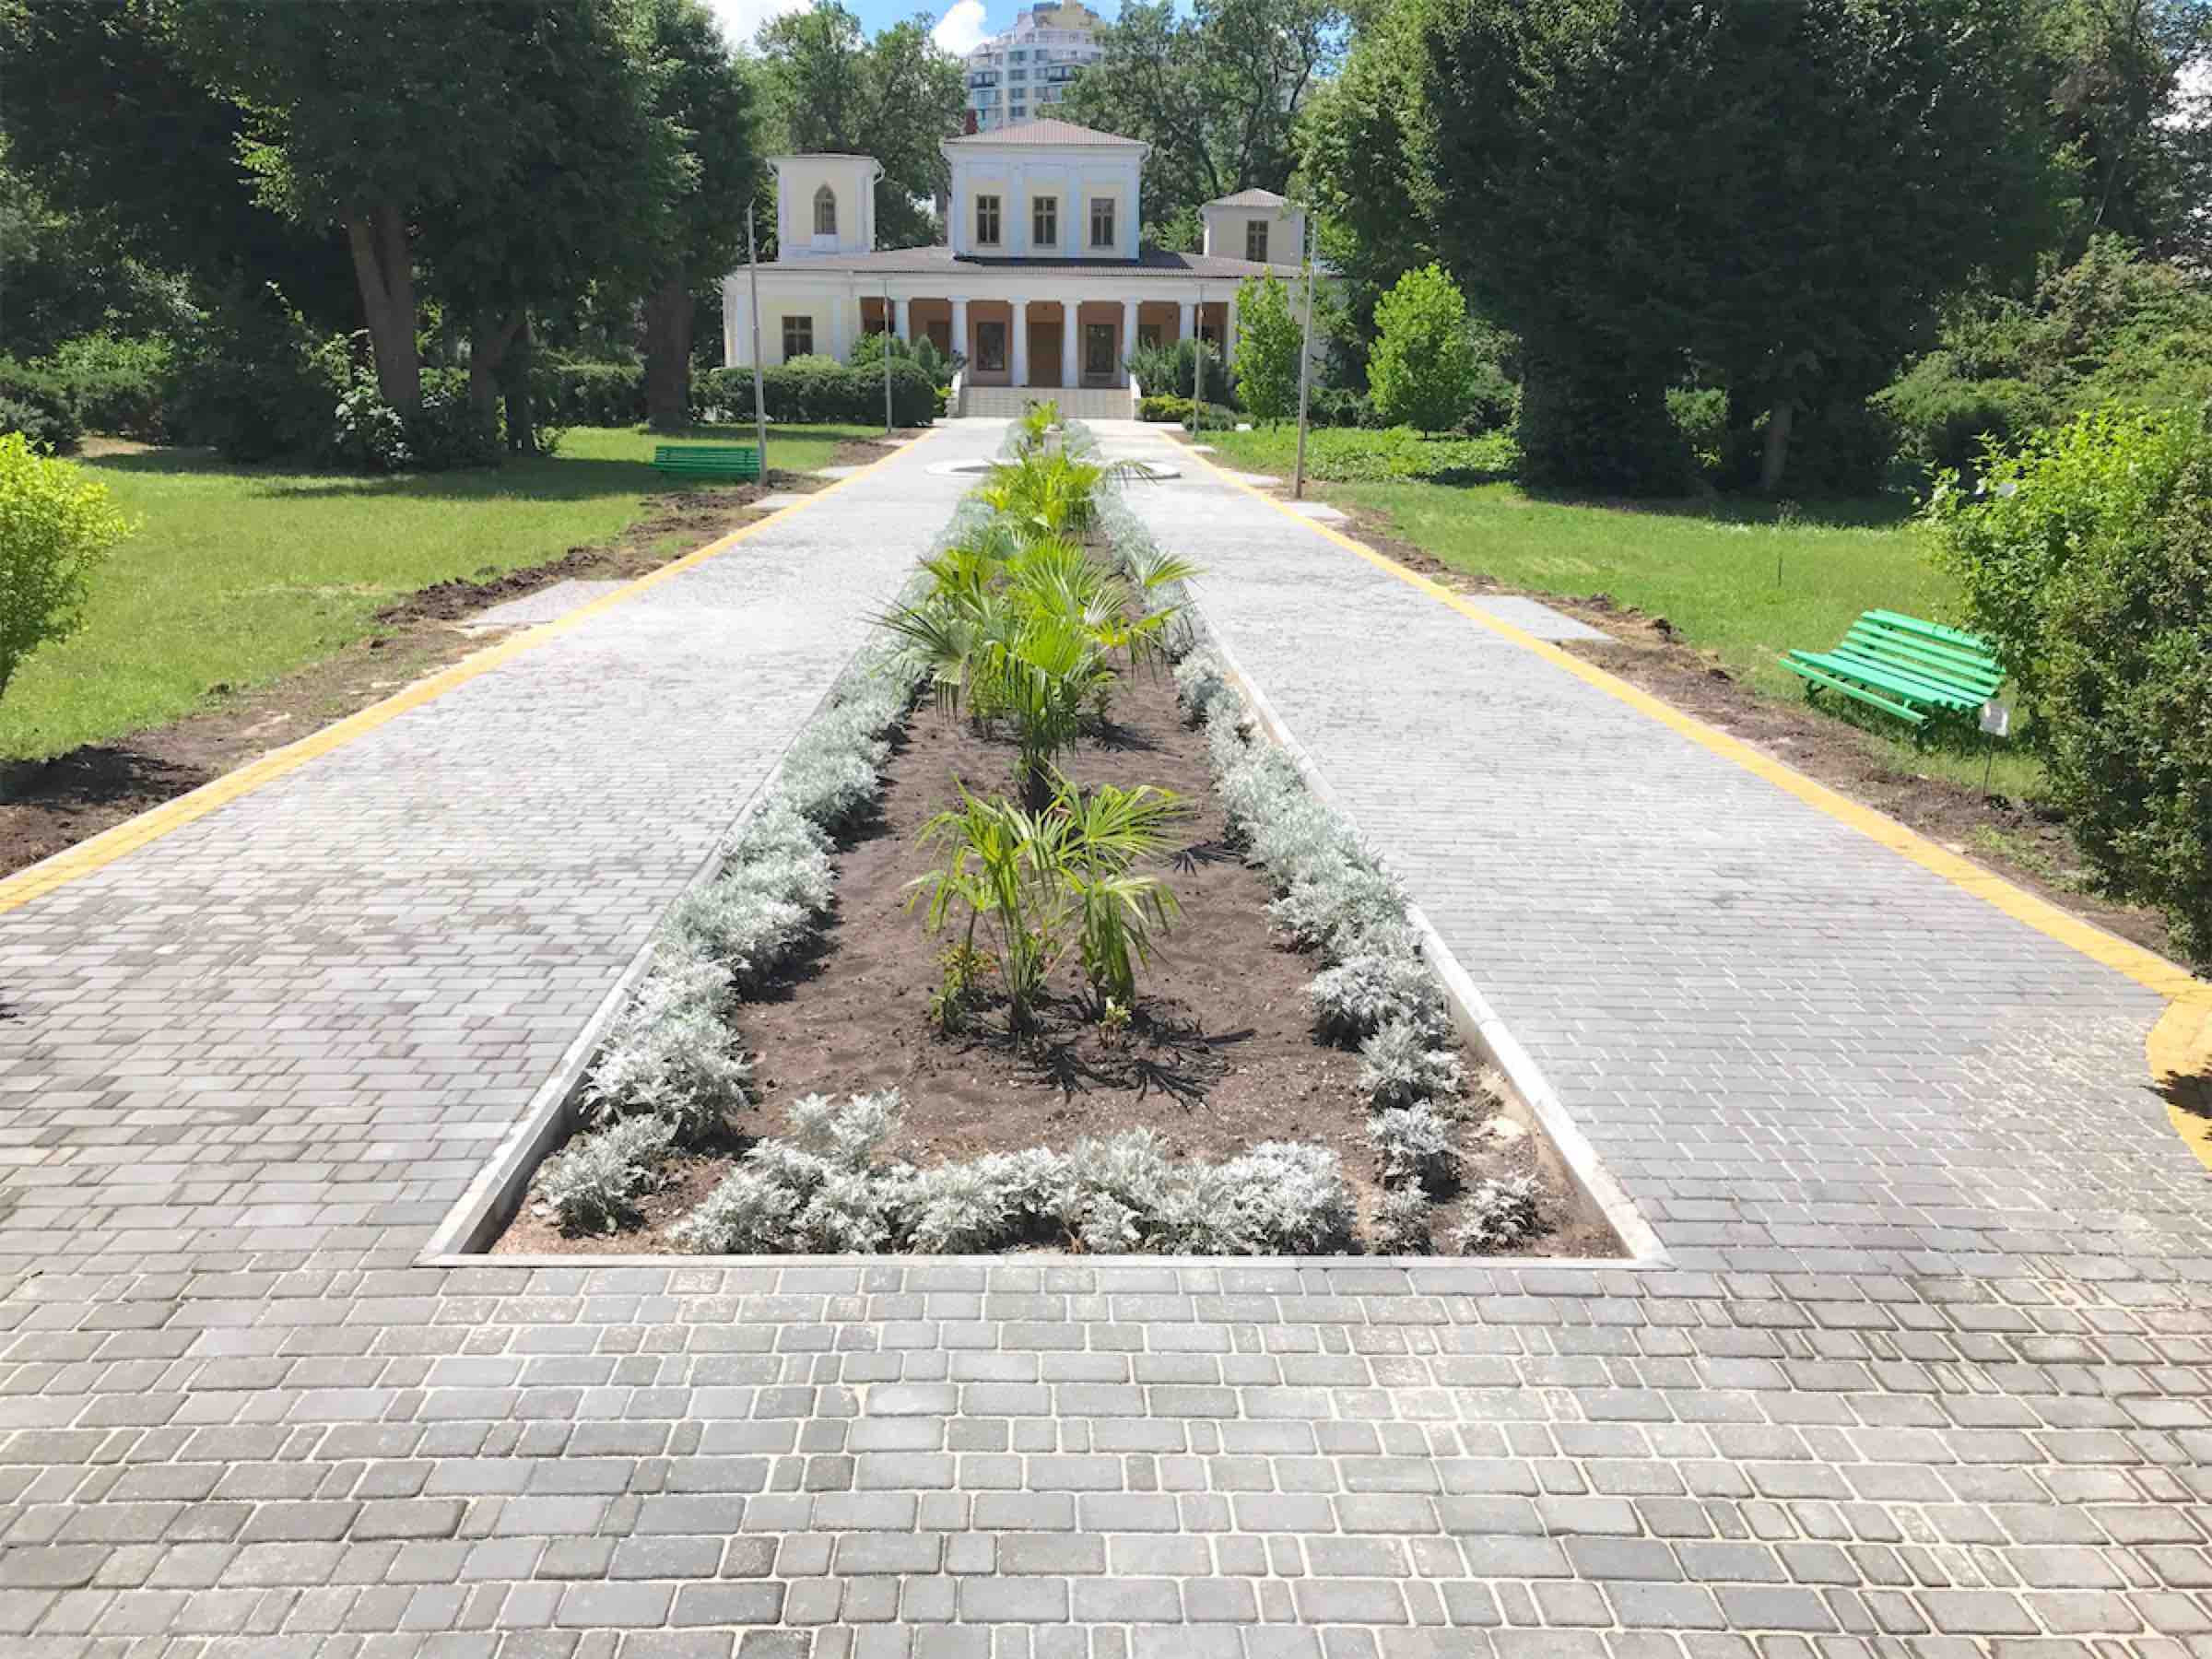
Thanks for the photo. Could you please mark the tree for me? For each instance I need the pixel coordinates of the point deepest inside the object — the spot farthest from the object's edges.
(1215, 94)
(1423, 361)
(1782, 190)
(897, 98)
(710, 100)
(369, 116)
(1268, 345)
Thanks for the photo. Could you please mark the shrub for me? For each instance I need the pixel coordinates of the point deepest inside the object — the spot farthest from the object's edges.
(35, 401)
(671, 1052)
(1335, 903)
(1421, 372)
(1497, 1216)
(867, 353)
(1365, 992)
(571, 392)
(808, 390)
(1946, 422)
(256, 383)
(1149, 408)
(1596, 424)
(2127, 683)
(1172, 370)
(117, 384)
(1402, 1063)
(2095, 491)
(1404, 1222)
(56, 527)
(1415, 1144)
(1212, 417)
(593, 1186)
(1340, 406)
(1269, 343)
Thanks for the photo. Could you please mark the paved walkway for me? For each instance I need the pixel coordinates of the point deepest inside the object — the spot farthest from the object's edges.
(1926, 1376)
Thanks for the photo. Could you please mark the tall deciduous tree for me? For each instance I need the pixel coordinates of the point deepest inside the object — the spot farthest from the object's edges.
(896, 98)
(370, 116)
(1783, 189)
(1214, 93)
(1268, 344)
(710, 99)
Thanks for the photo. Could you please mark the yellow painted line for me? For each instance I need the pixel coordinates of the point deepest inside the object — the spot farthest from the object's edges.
(2185, 1049)
(73, 864)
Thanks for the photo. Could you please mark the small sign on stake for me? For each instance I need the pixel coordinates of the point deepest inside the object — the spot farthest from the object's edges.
(1996, 722)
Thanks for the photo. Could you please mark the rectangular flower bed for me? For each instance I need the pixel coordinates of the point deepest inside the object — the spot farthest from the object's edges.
(1124, 986)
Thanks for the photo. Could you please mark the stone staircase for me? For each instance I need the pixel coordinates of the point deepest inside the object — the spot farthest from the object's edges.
(1090, 403)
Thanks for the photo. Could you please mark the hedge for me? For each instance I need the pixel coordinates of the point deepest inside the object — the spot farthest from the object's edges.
(820, 390)
(585, 394)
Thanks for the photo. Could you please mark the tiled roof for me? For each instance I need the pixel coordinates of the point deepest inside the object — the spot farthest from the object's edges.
(1248, 198)
(1049, 132)
(1153, 262)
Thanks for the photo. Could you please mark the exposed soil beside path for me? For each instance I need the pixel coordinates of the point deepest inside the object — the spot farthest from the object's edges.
(2027, 846)
(47, 806)
(1219, 1057)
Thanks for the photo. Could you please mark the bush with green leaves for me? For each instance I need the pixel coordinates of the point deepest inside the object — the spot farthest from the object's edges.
(1497, 1215)
(594, 1185)
(1269, 343)
(807, 391)
(117, 383)
(828, 1188)
(36, 402)
(1421, 372)
(56, 529)
(571, 391)
(1173, 371)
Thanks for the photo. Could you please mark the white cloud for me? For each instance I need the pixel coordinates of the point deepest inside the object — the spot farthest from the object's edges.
(961, 30)
(741, 19)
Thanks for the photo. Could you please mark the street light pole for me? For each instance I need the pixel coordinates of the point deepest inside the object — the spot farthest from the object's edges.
(890, 338)
(1305, 370)
(752, 272)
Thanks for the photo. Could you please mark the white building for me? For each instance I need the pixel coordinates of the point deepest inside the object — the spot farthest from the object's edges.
(1022, 73)
(1042, 283)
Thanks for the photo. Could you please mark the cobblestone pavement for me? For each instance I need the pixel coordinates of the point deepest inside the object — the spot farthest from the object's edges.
(1925, 1375)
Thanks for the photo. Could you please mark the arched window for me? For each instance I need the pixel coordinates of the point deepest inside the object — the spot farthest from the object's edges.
(825, 211)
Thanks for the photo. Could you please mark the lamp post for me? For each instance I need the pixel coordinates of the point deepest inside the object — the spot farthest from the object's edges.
(890, 338)
(1305, 370)
(752, 274)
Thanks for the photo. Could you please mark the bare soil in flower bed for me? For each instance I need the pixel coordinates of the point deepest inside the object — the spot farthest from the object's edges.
(1220, 1057)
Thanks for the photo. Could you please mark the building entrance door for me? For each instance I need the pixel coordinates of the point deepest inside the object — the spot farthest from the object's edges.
(1098, 352)
(1044, 353)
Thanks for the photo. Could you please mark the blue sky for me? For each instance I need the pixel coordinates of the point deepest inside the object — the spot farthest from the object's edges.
(961, 23)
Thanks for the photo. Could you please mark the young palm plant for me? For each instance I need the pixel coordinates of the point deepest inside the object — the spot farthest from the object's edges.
(1040, 883)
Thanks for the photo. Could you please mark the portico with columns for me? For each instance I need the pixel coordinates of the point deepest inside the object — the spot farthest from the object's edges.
(1041, 283)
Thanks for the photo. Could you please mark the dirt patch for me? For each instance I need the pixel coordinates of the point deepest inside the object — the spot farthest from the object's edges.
(2025, 844)
(1220, 1057)
(860, 452)
(48, 806)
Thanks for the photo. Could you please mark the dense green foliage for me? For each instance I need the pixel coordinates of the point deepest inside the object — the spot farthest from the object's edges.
(1423, 363)
(1269, 343)
(56, 527)
(2087, 559)
(1215, 91)
(817, 389)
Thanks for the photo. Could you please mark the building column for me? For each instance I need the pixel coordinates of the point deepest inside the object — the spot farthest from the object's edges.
(1071, 366)
(960, 324)
(1128, 339)
(1018, 348)
(1187, 326)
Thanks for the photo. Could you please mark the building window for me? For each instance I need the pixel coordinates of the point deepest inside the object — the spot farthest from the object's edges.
(986, 220)
(798, 338)
(825, 211)
(1256, 240)
(1102, 221)
(989, 345)
(1044, 222)
(1148, 336)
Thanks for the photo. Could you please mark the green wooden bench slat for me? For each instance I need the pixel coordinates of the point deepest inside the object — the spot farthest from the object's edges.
(1933, 630)
(1929, 651)
(1860, 693)
(1916, 687)
(1904, 666)
(1928, 660)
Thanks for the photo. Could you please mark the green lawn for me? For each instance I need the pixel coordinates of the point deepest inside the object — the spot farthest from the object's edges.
(1743, 579)
(240, 573)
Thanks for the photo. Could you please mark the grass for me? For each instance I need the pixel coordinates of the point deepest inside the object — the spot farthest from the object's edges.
(239, 574)
(1746, 580)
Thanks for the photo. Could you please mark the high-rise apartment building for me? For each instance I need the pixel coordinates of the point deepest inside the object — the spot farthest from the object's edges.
(1020, 74)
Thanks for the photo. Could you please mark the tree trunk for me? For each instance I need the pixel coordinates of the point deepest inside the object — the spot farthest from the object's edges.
(668, 318)
(384, 266)
(522, 412)
(1779, 418)
(488, 339)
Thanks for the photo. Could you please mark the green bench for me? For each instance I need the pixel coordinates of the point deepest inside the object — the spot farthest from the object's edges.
(1904, 666)
(708, 460)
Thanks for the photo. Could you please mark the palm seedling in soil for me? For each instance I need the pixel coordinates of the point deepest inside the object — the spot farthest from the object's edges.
(1034, 885)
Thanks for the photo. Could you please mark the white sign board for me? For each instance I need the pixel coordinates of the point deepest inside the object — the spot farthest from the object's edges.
(1997, 719)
